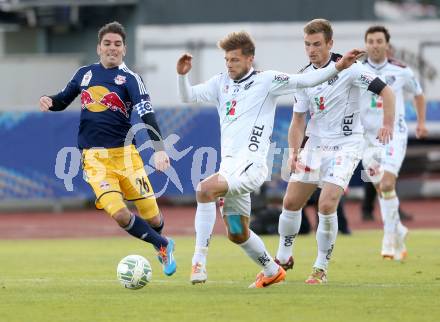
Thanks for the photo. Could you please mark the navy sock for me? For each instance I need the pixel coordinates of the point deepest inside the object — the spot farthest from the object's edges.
(141, 229)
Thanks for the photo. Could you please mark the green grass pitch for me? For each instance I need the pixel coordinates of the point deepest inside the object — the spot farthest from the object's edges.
(75, 280)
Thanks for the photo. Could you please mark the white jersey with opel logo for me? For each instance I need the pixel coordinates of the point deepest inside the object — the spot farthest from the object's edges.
(400, 78)
(246, 107)
(334, 105)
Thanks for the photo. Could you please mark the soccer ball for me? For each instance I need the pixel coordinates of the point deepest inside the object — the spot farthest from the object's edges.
(134, 272)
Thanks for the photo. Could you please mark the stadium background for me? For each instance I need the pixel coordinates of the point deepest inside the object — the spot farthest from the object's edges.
(42, 42)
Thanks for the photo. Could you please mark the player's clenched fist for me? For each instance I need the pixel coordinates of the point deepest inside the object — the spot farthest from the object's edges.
(161, 160)
(184, 64)
(45, 103)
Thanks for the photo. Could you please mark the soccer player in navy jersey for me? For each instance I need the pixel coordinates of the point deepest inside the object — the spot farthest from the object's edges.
(112, 165)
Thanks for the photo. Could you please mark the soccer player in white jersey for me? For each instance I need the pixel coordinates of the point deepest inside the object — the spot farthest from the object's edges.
(246, 101)
(333, 148)
(383, 162)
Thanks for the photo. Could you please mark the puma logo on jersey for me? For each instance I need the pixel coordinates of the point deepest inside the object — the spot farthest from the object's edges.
(248, 85)
(331, 81)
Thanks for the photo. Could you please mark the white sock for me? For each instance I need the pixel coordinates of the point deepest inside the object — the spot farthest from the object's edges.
(401, 229)
(204, 224)
(255, 249)
(390, 215)
(288, 228)
(326, 238)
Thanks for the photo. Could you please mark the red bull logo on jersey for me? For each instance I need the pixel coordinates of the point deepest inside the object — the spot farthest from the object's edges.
(99, 99)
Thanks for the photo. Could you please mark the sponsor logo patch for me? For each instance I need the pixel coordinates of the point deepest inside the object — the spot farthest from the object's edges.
(119, 80)
(86, 78)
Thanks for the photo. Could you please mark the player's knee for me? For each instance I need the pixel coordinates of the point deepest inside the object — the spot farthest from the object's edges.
(328, 205)
(205, 195)
(291, 204)
(122, 217)
(387, 186)
(238, 238)
(154, 221)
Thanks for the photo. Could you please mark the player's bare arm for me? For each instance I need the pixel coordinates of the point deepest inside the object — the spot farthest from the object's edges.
(295, 138)
(385, 133)
(420, 104)
(184, 64)
(45, 103)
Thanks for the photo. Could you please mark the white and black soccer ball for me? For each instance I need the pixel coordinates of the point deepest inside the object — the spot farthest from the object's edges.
(134, 272)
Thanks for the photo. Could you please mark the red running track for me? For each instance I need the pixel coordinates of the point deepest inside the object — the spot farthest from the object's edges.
(179, 221)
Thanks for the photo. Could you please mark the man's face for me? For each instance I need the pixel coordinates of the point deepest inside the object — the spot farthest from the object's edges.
(111, 50)
(317, 49)
(238, 64)
(376, 46)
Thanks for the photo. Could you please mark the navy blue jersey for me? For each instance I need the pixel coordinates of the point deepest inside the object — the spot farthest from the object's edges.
(108, 97)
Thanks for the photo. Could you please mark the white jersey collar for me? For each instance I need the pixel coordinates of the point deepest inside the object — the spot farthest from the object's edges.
(245, 77)
(375, 65)
(326, 64)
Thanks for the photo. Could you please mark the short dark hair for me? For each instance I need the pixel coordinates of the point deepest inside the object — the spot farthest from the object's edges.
(114, 28)
(378, 28)
(319, 25)
(238, 40)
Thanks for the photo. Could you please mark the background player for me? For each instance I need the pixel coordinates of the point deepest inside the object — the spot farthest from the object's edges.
(246, 101)
(383, 162)
(333, 148)
(112, 166)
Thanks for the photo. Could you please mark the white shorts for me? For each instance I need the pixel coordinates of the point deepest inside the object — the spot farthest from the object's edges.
(377, 158)
(332, 161)
(243, 177)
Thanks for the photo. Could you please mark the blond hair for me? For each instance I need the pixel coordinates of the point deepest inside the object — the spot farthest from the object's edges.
(238, 40)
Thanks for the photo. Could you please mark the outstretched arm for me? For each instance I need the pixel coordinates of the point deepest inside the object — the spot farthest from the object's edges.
(321, 75)
(184, 65)
(205, 92)
(60, 101)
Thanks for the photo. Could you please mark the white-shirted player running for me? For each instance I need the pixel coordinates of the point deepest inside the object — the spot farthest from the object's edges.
(333, 148)
(383, 162)
(246, 101)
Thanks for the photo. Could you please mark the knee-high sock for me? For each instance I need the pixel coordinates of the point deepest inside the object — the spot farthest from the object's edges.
(389, 209)
(326, 238)
(255, 249)
(204, 224)
(288, 228)
(141, 229)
